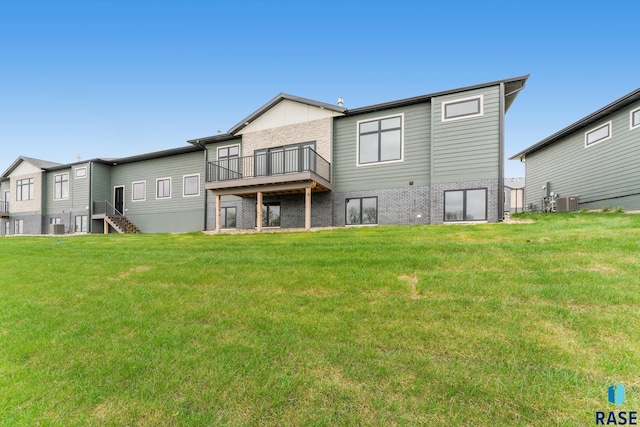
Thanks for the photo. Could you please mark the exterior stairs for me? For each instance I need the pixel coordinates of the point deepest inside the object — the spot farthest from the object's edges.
(121, 224)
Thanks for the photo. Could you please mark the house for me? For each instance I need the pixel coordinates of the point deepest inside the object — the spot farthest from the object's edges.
(593, 160)
(514, 195)
(292, 163)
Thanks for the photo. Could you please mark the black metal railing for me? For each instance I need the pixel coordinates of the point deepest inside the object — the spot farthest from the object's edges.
(4, 207)
(107, 209)
(281, 162)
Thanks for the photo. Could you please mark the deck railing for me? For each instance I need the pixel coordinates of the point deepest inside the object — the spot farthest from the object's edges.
(107, 209)
(282, 162)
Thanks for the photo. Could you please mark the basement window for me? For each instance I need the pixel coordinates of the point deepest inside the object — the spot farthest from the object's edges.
(465, 205)
(634, 119)
(462, 108)
(599, 134)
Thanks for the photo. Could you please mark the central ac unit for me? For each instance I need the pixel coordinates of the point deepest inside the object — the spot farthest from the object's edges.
(567, 204)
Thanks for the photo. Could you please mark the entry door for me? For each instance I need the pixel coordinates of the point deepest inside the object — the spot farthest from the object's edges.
(118, 199)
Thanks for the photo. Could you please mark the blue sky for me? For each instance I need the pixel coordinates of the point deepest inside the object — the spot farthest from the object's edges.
(118, 78)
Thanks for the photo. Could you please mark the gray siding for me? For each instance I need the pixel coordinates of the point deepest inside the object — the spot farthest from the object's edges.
(79, 189)
(101, 183)
(346, 176)
(49, 205)
(602, 174)
(467, 149)
(175, 214)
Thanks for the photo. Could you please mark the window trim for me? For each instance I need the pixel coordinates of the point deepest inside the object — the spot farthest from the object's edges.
(170, 183)
(586, 134)
(443, 108)
(184, 187)
(360, 224)
(144, 191)
(75, 172)
(631, 114)
(31, 189)
(464, 205)
(375, 119)
(61, 183)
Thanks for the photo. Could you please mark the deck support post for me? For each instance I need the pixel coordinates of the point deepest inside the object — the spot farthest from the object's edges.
(307, 208)
(259, 211)
(218, 213)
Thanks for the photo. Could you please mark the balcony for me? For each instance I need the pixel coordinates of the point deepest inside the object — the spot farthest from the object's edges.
(4, 208)
(282, 171)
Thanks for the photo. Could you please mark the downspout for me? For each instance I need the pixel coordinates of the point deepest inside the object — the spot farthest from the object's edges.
(206, 162)
(501, 157)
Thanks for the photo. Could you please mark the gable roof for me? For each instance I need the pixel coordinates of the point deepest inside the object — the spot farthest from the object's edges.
(40, 164)
(279, 98)
(605, 111)
(512, 88)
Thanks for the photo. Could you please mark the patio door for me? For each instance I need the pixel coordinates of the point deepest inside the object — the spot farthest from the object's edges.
(118, 199)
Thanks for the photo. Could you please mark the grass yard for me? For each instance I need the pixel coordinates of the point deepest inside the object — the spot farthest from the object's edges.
(495, 324)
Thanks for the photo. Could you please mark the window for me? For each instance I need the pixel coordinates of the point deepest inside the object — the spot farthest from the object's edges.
(139, 191)
(24, 189)
(7, 228)
(634, 119)
(19, 226)
(61, 186)
(228, 217)
(271, 214)
(82, 223)
(163, 188)
(465, 205)
(599, 134)
(191, 185)
(362, 210)
(229, 163)
(380, 140)
(462, 108)
(81, 173)
(55, 220)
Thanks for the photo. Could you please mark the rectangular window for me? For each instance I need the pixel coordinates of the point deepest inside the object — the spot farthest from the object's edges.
(229, 163)
(61, 186)
(163, 188)
(599, 134)
(191, 185)
(361, 210)
(462, 108)
(380, 140)
(19, 226)
(465, 205)
(82, 223)
(634, 119)
(81, 173)
(139, 191)
(228, 217)
(271, 214)
(24, 189)
(55, 220)
(7, 228)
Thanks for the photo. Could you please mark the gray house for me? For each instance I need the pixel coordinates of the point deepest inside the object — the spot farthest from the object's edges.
(293, 163)
(593, 161)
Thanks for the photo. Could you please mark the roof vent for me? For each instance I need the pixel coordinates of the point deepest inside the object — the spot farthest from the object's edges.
(340, 102)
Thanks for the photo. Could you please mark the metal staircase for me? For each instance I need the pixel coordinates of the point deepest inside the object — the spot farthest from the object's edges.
(114, 218)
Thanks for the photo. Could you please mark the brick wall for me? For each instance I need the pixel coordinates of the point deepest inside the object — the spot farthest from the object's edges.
(437, 197)
(315, 130)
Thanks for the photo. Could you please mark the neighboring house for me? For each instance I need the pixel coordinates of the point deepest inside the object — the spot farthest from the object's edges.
(594, 159)
(293, 163)
(513, 195)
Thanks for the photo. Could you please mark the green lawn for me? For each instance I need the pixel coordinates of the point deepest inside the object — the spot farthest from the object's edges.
(495, 324)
